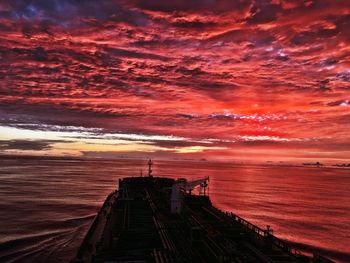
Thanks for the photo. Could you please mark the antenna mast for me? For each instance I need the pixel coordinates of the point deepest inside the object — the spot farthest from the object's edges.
(150, 168)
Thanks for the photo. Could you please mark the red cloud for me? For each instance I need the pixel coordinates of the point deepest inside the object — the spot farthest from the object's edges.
(179, 67)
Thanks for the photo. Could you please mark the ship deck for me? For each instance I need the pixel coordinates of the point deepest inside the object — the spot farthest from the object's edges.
(135, 225)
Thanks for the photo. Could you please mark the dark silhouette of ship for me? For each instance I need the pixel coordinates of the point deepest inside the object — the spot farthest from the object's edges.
(155, 219)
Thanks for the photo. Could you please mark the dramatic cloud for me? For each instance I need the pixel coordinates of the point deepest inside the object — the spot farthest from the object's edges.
(26, 145)
(220, 75)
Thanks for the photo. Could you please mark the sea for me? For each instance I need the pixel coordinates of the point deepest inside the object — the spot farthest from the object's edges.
(47, 205)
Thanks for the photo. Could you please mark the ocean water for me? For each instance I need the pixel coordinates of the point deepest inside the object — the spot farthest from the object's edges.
(46, 206)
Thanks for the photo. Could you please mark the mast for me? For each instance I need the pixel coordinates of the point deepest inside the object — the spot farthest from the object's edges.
(150, 168)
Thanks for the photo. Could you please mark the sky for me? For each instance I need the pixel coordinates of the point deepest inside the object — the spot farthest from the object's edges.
(245, 80)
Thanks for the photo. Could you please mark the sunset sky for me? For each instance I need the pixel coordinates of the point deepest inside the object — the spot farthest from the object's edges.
(248, 80)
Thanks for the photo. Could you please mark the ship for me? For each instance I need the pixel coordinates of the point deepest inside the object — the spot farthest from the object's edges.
(161, 220)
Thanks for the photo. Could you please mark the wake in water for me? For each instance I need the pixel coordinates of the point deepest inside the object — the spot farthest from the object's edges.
(45, 246)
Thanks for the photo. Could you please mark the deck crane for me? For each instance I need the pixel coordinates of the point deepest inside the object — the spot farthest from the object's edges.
(182, 187)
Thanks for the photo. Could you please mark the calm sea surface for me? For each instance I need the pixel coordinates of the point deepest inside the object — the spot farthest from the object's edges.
(46, 206)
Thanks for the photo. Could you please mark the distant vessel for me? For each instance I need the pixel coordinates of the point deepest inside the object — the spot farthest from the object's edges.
(318, 164)
(155, 219)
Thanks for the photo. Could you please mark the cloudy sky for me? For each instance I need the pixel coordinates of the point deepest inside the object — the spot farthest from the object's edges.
(254, 80)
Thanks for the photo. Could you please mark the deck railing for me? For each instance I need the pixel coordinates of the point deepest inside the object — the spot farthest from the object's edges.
(264, 233)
